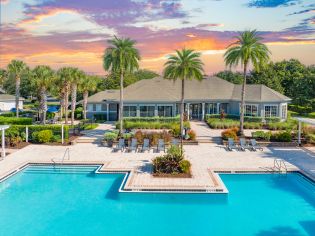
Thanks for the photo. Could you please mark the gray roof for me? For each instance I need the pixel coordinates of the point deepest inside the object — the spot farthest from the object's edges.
(209, 89)
(8, 97)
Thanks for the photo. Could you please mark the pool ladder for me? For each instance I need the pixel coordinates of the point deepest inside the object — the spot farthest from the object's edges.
(279, 164)
(66, 156)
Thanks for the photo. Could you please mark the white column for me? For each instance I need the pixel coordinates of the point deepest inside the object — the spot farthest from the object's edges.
(156, 113)
(188, 118)
(299, 134)
(107, 111)
(203, 111)
(26, 134)
(218, 108)
(3, 144)
(62, 134)
(138, 111)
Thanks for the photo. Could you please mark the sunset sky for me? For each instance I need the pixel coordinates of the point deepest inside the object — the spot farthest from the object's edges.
(73, 33)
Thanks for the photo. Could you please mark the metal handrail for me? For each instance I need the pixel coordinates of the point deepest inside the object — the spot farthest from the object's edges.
(278, 164)
(67, 151)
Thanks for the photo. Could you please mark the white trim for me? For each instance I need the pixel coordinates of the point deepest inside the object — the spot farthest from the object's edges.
(275, 105)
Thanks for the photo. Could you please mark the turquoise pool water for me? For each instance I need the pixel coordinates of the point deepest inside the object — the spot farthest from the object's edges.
(75, 201)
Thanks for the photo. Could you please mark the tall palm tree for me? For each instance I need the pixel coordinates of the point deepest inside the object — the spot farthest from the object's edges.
(247, 49)
(185, 65)
(64, 81)
(121, 57)
(17, 69)
(42, 78)
(76, 77)
(88, 84)
(3, 76)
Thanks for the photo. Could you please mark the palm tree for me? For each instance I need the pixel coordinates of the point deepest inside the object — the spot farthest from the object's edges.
(3, 76)
(42, 78)
(185, 65)
(64, 81)
(76, 77)
(247, 49)
(121, 57)
(88, 84)
(17, 69)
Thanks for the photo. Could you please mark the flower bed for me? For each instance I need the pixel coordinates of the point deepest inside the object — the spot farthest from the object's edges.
(172, 164)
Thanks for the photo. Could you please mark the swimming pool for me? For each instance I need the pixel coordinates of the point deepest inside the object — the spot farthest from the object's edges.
(76, 201)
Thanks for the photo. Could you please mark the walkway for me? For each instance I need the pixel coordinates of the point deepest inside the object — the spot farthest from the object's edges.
(95, 135)
(203, 132)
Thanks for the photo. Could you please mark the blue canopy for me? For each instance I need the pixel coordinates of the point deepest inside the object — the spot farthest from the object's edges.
(52, 109)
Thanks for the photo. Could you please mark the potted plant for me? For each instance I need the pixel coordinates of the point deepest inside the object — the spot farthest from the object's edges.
(110, 137)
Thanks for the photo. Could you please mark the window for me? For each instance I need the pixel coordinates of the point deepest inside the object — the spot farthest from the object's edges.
(271, 111)
(130, 111)
(284, 111)
(147, 111)
(90, 107)
(104, 107)
(223, 108)
(211, 108)
(251, 110)
(165, 111)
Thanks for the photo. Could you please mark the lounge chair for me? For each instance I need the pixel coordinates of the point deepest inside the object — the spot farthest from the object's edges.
(121, 145)
(254, 145)
(161, 145)
(133, 145)
(243, 145)
(231, 145)
(175, 142)
(146, 145)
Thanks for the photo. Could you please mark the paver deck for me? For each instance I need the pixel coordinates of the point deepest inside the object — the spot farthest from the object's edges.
(205, 159)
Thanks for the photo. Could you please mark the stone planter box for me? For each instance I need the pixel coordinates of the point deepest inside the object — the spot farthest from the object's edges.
(270, 144)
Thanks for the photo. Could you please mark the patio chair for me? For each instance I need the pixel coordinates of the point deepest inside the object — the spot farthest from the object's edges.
(146, 145)
(133, 145)
(254, 145)
(243, 145)
(121, 145)
(231, 145)
(161, 145)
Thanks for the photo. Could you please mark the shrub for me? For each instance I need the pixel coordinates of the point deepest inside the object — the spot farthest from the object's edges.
(127, 136)
(139, 136)
(13, 136)
(152, 119)
(110, 136)
(300, 109)
(192, 135)
(284, 136)
(171, 163)
(261, 135)
(310, 138)
(185, 166)
(15, 121)
(44, 136)
(229, 133)
(35, 136)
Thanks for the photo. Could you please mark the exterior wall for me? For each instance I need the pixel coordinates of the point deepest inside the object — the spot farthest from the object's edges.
(8, 105)
(233, 108)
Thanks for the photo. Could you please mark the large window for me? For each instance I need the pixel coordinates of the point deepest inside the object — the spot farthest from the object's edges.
(284, 111)
(165, 111)
(271, 111)
(211, 108)
(130, 111)
(147, 111)
(251, 110)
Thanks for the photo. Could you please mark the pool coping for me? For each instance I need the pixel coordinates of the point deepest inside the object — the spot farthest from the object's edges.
(128, 173)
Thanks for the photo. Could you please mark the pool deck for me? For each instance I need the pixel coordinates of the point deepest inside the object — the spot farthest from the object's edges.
(206, 159)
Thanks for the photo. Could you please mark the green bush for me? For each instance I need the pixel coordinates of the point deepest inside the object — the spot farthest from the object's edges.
(283, 136)
(300, 109)
(15, 121)
(310, 138)
(110, 136)
(153, 119)
(127, 136)
(44, 136)
(185, 166)
(261, 135)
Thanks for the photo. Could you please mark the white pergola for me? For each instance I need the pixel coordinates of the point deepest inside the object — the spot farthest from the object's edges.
(306, 121)
(3, 128)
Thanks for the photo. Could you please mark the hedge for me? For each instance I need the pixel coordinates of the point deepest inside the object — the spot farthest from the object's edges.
(15, 121)
(153, 119)
(246, 118)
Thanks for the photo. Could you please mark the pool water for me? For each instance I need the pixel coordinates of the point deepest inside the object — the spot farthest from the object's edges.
(76, 201)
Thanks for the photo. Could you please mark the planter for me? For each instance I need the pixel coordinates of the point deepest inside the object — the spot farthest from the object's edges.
(271, 144)
(109, 143)
(181, 175)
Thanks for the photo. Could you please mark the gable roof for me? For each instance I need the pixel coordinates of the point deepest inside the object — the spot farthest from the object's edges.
(208, 89)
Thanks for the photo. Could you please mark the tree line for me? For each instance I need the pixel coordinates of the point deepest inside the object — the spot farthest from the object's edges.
(288, 77)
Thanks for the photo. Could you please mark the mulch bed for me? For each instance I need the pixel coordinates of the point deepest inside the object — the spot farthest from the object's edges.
(181, 175)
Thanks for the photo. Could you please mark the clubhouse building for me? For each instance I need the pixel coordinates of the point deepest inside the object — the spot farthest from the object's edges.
(212, 95)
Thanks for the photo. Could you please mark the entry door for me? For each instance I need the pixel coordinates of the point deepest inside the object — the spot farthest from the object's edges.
(195, 111)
